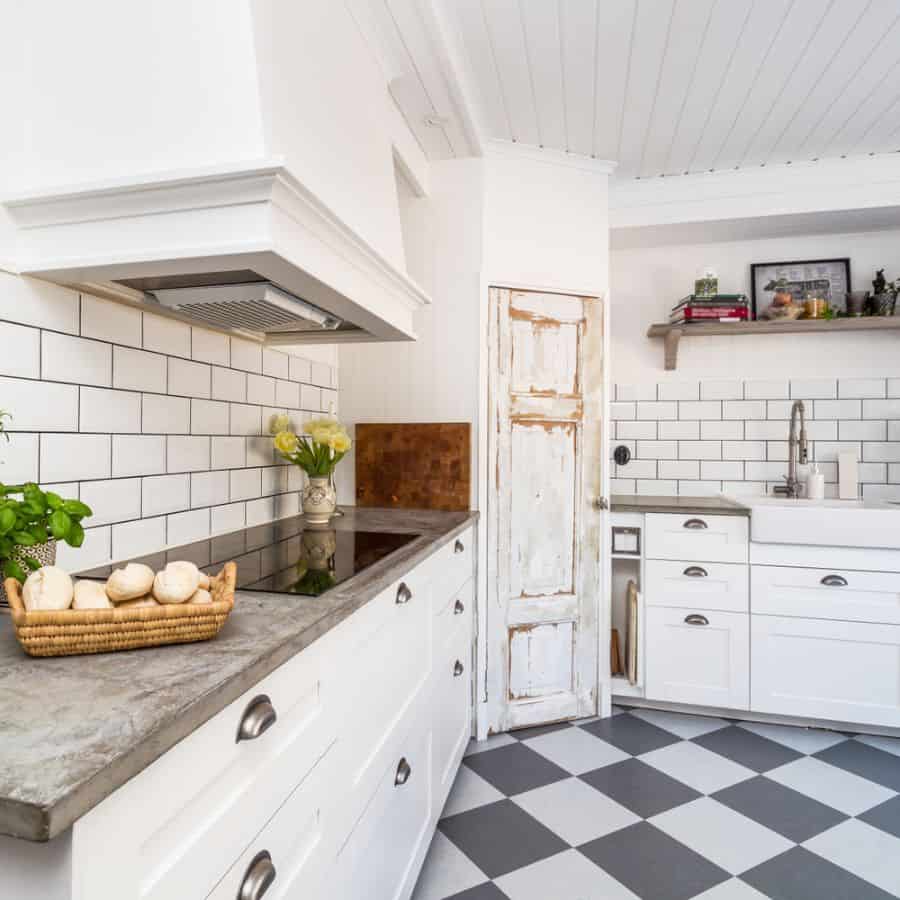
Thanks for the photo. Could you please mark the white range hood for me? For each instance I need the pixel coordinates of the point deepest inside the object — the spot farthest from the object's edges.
(130, 186)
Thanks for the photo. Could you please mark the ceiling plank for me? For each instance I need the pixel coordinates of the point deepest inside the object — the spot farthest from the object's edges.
(578, 49)
(542, 40)
(615, 25)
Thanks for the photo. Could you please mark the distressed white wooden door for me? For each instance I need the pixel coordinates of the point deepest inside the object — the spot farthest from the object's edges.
(546, 473)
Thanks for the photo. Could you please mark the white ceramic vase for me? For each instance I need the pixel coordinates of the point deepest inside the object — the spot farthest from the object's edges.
(319, 500)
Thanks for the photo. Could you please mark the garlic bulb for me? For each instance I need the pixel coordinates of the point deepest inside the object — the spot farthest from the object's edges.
(201, 596)
(90, 595)
(137, 601)
(48, 588)
(135, 580)
(176, 583)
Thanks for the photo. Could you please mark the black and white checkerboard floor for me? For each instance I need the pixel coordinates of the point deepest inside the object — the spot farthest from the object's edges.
(660, 806)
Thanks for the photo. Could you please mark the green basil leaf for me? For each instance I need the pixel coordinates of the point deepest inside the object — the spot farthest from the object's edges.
(7, 520)
(11, 569)
(76, 535)
(60, 524)
(23, 539)
(32, 563)
(77, 508)
(54, 501)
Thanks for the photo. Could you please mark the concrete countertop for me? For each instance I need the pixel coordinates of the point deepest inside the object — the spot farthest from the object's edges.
(690, 506)
(74, 729)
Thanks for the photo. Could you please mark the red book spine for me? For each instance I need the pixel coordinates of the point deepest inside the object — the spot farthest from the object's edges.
(716, 312)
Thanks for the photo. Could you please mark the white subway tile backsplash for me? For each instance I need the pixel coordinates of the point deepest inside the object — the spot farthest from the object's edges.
(699, 488)
(227, 452)
(877, 473)
(722, 471)
(726, 430)
(93, 552)
(882, 492)
(165, 494)
(228, 384)
(721, 390)
(893, 473)
(259, 450)
(636, 430)
(311, 399)
(329, 401)
(287, 505)
(138, 370)
(617, 411)
(837, 409)
(893, 431)
(622, 486)
(762, 431)
(245, 419)
(169, 336)
(296, 478)
(209, 417)
(879, 451)
(779, 409)
(260, 511)
(165, 415)
(182, 528)
(745, 450)
(657, 488)
(261, 390)
(74, 457)
(863, 430)
(75, 360)
(287, 394)
(827, 451)
(246, 355)
(189, 379)
(678, 468)
(766, 390)
(816, 430)
(813, 388)
(299, 369)
(893, 387)
(138, 455)
(677, 431)
(109, 411)
(115, 500)
(274, 480)
(133, 539)
(657, 449)
(764, 471)
(881, 409)
(321, 374)
(187, 454)
(39, 303)
(745, 488)
(777, 451)
(646, 409)
(209, 488)
(210, 346)
(21, 355)
(108, 321)
(860, 388)
(700, 409)
(631, 392)
(637, 468)
(246, 484)
(699, 449)
(744, 409)
(678, 390)
(39, 405)
(275, 363)
(229, 517)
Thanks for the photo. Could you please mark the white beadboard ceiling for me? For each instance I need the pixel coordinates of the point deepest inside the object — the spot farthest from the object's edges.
(663, 87)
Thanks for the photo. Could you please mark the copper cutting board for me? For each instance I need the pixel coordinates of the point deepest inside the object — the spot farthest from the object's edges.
(414, 466)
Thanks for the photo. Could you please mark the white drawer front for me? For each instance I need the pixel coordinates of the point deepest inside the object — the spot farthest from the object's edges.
(706, 663)
(697, 585)
(826, 594)
(457, 608)
(296, 848)
(844, 671)
(452, 565)
(713, 538)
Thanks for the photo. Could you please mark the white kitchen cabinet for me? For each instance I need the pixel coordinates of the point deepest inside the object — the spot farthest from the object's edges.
(691, 585)
(698, 656)
(842, 671)
(721, 539)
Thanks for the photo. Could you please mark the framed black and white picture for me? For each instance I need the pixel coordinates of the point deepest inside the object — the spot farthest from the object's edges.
(828, 278)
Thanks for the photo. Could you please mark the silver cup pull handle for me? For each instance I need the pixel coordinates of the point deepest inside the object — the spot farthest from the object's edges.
(695, 524)
(696, 619)
(458, 669)
(258, 718)
(404, 770)
(404, 594)
(459, 608)
(258, 878)
(696, 572)
(835, 581)
(459, 547)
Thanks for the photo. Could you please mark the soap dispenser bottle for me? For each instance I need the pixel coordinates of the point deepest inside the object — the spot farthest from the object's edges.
(815, 483)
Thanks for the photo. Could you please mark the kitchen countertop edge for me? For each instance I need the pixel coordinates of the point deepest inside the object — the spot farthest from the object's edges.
(697, 506)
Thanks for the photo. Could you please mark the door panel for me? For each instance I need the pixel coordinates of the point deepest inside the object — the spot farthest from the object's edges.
(545, 395)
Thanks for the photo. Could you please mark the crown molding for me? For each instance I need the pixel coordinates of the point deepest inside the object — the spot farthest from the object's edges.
(501, 149)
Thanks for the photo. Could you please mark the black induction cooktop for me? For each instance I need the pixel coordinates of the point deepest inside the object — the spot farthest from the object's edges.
(284, 557)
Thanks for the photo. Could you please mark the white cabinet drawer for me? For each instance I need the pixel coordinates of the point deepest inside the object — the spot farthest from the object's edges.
(458, 607)
(694, 585)
(194, 810)
(826, 594)
(295, 850)
(712, 538)
(843, 671)
(377, 859)
(698, 657)
(452, 565)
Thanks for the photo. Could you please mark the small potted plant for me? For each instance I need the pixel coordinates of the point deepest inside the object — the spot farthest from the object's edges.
(318, 451)
(31, 522)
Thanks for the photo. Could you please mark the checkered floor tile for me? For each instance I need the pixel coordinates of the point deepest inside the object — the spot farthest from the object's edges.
(652, 805)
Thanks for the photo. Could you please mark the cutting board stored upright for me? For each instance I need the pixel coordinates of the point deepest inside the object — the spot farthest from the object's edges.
(414, 466)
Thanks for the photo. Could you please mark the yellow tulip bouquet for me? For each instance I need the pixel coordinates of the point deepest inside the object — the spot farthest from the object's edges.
(323, 445)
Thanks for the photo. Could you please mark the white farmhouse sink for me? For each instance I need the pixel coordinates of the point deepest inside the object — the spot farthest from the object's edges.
(824, 523)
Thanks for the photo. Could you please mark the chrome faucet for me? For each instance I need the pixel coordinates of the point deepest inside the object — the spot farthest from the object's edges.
(797, 451)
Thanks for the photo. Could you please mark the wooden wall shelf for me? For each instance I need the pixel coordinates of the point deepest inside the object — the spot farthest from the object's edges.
(672, 334)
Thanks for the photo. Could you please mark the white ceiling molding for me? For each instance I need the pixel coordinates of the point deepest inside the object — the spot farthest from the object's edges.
(513, 150)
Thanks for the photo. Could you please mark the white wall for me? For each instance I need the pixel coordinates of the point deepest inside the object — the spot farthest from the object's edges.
(646, 282)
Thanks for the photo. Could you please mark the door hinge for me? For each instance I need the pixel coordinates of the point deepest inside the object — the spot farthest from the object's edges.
(600, 503)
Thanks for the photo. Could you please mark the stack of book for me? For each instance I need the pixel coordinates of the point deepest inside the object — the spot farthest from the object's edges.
(719, 308)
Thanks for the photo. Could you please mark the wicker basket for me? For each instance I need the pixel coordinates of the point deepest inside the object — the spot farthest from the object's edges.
(74, 631)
